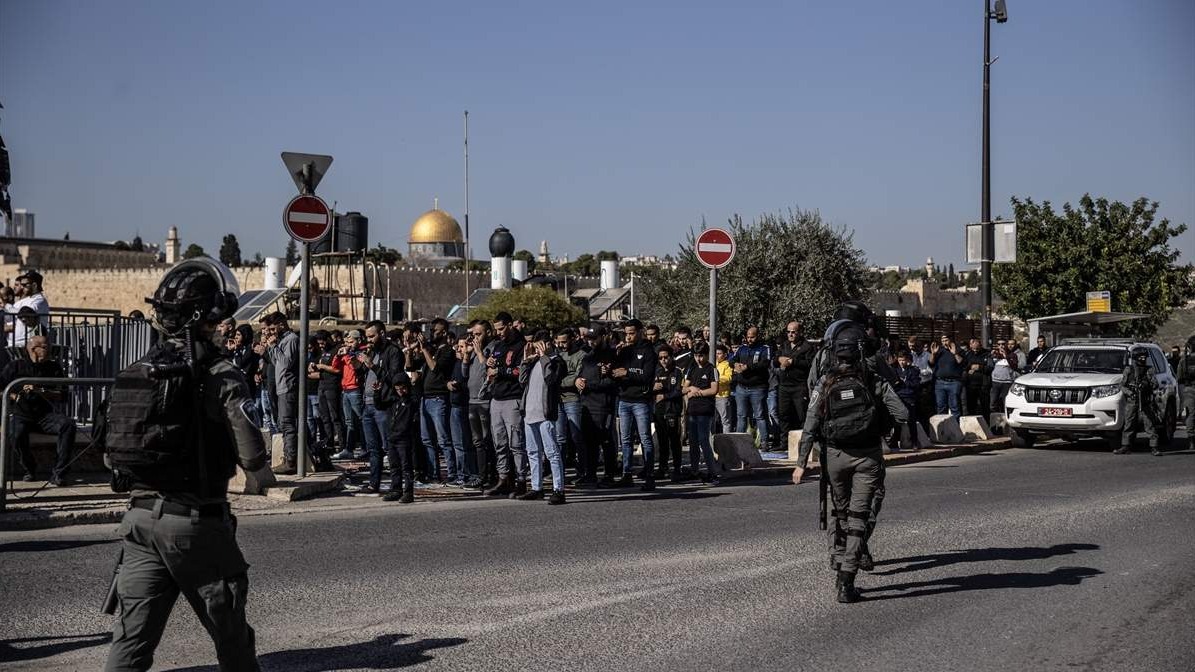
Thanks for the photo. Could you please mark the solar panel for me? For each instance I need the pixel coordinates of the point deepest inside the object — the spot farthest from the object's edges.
(256, 302)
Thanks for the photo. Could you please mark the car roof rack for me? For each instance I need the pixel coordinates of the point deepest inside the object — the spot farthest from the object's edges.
(1101, 341)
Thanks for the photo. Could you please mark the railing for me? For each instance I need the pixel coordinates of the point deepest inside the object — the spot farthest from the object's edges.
(4, 407)
(88, 344)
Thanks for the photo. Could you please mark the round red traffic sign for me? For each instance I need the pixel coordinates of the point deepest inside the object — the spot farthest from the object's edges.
(307, 218)
(714, 248)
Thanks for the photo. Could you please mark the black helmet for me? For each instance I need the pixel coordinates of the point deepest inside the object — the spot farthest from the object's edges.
(850, 344)
(192, 292)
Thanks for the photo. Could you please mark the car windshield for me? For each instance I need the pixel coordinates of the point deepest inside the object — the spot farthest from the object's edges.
(1083, 361)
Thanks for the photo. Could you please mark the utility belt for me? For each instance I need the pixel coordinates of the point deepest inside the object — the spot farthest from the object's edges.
(216, 510)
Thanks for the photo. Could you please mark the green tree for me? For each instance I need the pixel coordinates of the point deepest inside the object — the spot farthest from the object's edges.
(292, 253)
(193, 250)
(258, 260)
(1100, 245)
(607, 255)
(385, 255)
(230, 251)
(972, 280)
(538, 306)
(787, 266)
(525, 255)
(889, 281)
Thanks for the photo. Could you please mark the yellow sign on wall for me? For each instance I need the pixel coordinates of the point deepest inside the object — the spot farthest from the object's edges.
(1099, 302)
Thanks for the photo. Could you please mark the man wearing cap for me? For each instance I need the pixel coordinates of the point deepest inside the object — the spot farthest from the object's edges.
(29, 295)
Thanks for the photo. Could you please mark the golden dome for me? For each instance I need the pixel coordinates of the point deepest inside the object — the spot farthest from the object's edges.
(436, 226)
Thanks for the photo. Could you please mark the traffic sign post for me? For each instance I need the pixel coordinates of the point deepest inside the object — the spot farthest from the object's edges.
(715, 249)
(307, 220)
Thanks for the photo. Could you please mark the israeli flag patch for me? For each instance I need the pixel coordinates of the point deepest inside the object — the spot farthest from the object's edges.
(846, 395)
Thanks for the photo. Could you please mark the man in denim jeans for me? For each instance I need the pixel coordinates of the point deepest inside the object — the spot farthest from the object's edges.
(437, 437)
(382, 362)
(635, 372)
(947, 361)
(458, 417)
(568, 421)
(540, 375)
(752, 362)
(352, 375)
(504, 356)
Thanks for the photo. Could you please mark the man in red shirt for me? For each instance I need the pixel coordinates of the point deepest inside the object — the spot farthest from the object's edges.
(345, 363)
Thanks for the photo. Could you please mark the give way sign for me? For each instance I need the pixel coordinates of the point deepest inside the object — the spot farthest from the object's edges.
(715, 248)
(307, 218)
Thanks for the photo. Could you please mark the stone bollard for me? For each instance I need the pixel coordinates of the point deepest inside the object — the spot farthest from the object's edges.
(735, 449)
(278, 455)
(944, 429)
(974, 428)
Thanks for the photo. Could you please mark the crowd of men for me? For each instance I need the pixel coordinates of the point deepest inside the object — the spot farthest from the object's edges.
(491, 406)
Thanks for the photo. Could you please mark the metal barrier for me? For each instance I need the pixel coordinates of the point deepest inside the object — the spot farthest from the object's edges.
(63, 382)
(89, 344)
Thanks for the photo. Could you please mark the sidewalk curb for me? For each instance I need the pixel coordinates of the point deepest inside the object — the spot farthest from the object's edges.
(32, 520)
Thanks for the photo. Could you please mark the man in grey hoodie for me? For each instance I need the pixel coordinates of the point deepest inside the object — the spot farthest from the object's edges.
(283, 353)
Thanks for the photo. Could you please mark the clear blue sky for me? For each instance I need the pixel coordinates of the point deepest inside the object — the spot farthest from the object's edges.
(595, 126)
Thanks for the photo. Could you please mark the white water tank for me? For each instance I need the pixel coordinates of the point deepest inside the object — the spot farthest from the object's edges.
(275, 273)
(518, 269)
(499, 272)
(610, 279)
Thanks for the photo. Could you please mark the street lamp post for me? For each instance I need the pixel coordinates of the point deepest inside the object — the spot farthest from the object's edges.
(987, 231)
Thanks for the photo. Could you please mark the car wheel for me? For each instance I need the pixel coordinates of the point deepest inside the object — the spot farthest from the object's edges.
(1113, 439)
(1021, 438)
(1169, 425)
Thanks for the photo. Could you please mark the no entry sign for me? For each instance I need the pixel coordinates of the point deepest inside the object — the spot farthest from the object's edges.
(715, 248)
(307, 218)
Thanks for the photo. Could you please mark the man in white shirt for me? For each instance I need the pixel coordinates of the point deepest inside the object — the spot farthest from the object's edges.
(29, 294)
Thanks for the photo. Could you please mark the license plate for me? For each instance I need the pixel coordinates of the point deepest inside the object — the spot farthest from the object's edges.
(1048, 412)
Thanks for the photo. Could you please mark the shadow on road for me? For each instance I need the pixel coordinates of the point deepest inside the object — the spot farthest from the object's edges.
(51, 545)
(44, 647)
(661, 493)
(936, 560)
(384, 652)
(1062, 576)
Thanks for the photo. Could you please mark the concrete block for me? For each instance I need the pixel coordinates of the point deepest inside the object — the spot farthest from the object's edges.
(974, 428)
(736, 449)
(293, 489)
(923, 439)
(944, 429)
(794, 443)
(998, 424)
(278, 455)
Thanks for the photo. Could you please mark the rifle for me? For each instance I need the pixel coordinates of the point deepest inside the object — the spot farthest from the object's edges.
(110, 601)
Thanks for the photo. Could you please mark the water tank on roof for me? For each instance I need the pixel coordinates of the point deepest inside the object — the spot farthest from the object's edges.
(350, 233)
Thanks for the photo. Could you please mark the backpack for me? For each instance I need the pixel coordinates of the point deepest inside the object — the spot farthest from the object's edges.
(849, 414)
(150, 429)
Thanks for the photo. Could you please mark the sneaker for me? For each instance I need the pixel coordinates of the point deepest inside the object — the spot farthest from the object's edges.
(368, 491)
(556, 498)
(530, 496)
(407, 497)
(586, 482)
(58, 482)
(343, 455)
(473, 484)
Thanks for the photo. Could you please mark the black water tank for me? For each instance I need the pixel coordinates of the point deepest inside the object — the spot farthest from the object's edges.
(502, 244)
(350, 233)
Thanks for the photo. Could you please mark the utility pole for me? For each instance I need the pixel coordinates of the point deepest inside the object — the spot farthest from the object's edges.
(987, 230)
(466, 212)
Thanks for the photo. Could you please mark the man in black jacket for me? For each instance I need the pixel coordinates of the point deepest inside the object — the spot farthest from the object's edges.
(34, 409)
(382, 362)
(503, 362)
(437, 439)
(669, 406)
(751, 361)
(635, 373)
(794, 359)
(599, 396)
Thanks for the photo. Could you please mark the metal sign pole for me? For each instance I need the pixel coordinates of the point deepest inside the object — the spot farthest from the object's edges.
(713, 313)
(304, 301)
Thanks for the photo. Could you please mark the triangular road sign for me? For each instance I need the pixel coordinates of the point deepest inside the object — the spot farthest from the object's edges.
(304, 180)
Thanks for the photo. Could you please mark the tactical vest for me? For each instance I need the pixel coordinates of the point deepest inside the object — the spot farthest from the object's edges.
(154, 428)
(849, 415)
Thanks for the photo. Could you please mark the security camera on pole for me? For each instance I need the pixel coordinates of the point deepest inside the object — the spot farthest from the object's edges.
(307, 219)
(715, 249)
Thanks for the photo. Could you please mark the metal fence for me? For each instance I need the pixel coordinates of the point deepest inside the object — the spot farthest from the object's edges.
(89, 344)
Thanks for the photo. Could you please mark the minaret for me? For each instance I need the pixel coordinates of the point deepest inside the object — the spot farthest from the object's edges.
(173, 246)
(929, 268)
(544, 257)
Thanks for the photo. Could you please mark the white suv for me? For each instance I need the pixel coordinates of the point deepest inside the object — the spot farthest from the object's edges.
(1075, 391)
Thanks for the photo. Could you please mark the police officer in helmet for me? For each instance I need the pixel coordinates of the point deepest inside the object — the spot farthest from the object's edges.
(180, 421)
(1139, 386)
(850, 409)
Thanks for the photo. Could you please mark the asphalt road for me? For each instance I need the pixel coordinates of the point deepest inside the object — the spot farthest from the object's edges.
(1064, 558)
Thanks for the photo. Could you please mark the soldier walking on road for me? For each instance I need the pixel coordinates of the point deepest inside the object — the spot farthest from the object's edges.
(849, 411)
(1139, 388)
(181, 419)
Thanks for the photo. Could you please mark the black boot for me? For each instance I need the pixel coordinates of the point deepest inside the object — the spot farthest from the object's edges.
(1154, 450)
(866, 562)
(519, 490)
(1121, 450)
(408, 490)
(847, 593)
(501, 489)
